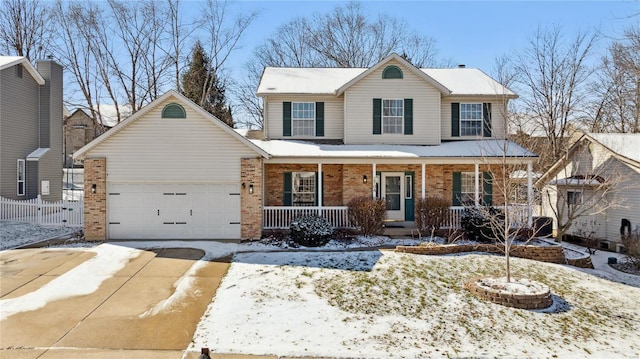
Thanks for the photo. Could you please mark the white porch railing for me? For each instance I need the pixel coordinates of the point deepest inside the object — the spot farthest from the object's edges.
(277, 217)
(281, 217)
(38, 211)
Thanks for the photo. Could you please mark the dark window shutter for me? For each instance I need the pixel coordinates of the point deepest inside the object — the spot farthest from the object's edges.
(487, 188)
(377, 116)
(457, 188)
(286, 118)
(288, 186)
(319, 118)
(455, 119)
(408, 116)
(486, 119)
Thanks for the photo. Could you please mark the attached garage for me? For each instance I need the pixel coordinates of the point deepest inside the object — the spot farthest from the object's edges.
(170, 171)
(169, 211)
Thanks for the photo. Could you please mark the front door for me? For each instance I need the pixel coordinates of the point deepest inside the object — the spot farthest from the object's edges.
(392, 193)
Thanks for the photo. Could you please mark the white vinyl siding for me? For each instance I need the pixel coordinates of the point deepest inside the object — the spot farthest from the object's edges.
(150, 150)
(333, 115)
(498, 122)
(359, 108)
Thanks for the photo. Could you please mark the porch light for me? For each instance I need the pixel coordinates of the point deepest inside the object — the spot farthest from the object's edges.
(93, 188)
(364, 179)
(244, 185)
(251, 189)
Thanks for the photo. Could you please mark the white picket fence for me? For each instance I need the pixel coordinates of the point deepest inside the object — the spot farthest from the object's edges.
(38, 211)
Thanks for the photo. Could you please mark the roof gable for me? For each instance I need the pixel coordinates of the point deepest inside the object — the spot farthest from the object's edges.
(404, 64)
(10, 61)
(146, 109)
(624, 147)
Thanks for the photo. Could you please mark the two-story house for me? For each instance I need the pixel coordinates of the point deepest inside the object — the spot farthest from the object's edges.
(30, 129)
(79, 129)
(391, 131)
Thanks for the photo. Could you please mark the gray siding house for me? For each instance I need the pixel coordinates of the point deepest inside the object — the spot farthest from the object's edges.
(30, 129)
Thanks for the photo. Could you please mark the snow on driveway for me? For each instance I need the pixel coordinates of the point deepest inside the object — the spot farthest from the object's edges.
(84, 279)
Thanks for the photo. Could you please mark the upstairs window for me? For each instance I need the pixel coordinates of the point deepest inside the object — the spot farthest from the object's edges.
(392, 115)
(392, 72)
(303, 116)
(470, 119)
(21, 178)
(173, 110)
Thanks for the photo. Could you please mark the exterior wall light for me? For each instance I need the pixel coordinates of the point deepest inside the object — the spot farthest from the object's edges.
(364, 179)
(250, 189)
(93, 188)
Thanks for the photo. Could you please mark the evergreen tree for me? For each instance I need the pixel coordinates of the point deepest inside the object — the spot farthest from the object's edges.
(201, 85)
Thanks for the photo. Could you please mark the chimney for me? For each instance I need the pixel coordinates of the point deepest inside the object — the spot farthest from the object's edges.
(462, 66)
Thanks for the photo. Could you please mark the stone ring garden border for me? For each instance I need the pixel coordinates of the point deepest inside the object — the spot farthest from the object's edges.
(537, 295)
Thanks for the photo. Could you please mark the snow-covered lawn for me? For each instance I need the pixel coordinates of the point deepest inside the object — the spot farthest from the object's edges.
(380, 304)
(17, 234)
(389, 305)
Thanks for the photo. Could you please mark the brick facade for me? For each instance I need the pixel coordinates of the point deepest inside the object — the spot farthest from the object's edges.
(95, 204)
(251, 203)
(343, 183)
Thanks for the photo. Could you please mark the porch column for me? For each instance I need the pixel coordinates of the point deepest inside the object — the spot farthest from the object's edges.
(373, 180)
(529, 195)
(320, 189)
(424, 181)
(477, 185)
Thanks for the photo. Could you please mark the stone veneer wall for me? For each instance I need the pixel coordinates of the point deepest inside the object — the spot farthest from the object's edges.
(251, 204)
(551, 254)
(95, 204)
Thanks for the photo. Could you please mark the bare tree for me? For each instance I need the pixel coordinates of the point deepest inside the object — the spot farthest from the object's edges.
(616, 107)
(345, 37)
(25, 28)
(553, 74)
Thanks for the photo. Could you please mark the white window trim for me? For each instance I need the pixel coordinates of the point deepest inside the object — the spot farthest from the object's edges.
(303, 119)
(382, 116)
(576, 192)
(294, 191)
(481, 118)
(21, 163)
(408, 186)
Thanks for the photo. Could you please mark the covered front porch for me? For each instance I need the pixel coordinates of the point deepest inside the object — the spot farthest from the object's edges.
(325, 188)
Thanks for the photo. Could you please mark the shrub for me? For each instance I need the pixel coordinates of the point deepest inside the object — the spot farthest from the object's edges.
(367, 215)
(431, 214)
(310, 231)
(479, 225)
(631, 244)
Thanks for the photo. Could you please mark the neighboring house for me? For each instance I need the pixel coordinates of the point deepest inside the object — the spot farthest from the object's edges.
(30, 129)
(79, 129)
(392, 131)
(598, 182)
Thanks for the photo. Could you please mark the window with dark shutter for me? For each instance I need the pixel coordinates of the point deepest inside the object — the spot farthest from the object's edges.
(377, 116)
(455, 119)
(408, 116)
(286, 119)
(319, 118)
(486, 119)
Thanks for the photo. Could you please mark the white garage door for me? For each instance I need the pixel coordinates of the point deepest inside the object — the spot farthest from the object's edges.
(180, 211)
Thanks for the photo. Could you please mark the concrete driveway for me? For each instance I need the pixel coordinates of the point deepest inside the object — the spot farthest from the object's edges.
(109, 322)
